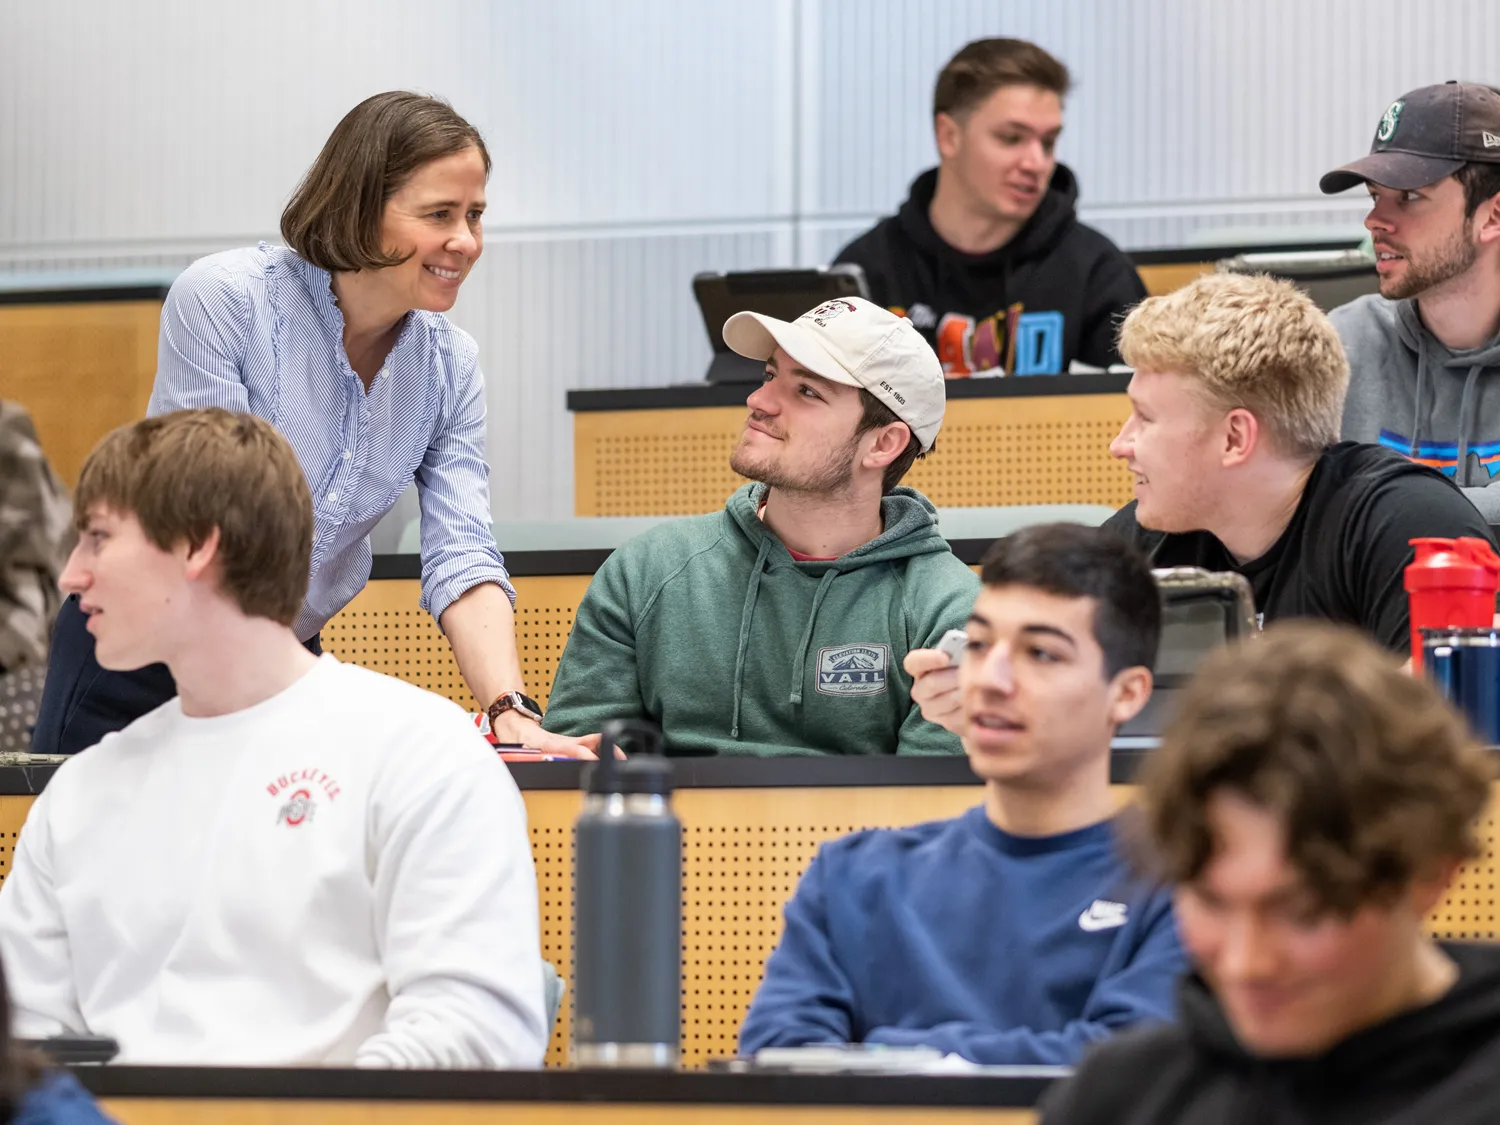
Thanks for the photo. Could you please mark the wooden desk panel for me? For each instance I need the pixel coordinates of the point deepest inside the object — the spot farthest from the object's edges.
(1043, 449)
(385, 629)
(1164, 278)
(175, 1111)
(81, 369)
(745, 849)
(743, 852)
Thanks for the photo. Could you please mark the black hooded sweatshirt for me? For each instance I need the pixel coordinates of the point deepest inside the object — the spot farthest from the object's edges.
(1434, 1065)
(1052, 294)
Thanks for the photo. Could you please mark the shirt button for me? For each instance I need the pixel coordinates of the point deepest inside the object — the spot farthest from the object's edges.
(384, 373)
(346, 455)
(332, 496)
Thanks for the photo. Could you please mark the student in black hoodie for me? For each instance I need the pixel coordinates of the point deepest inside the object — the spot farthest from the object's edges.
(1310, 805)
(987, 256)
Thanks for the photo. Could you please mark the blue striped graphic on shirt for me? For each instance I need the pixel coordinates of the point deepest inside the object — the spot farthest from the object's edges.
(1442, 455)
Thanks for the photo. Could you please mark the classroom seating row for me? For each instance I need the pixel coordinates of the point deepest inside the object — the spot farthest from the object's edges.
(750, 827)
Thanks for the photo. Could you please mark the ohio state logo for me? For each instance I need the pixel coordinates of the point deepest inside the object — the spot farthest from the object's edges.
(298, 810)
(296, 789)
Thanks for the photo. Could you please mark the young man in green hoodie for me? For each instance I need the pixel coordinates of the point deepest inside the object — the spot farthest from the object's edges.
(1424, 354)
(779, 624)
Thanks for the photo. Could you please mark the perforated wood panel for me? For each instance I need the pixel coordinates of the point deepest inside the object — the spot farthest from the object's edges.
(81, 369)
(13, 812)
(743, 852)
(1470, 910)
(1050, 449)
(385, 629)
(1046, 450)
(745, 849)
(654, 462)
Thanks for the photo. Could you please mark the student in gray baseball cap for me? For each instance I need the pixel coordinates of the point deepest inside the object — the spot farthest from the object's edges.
(1424, 354)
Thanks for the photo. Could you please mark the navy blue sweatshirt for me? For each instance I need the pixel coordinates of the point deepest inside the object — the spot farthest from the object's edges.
(959, 936)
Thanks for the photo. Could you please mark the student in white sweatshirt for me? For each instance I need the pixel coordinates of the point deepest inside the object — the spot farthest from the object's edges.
(295, 860)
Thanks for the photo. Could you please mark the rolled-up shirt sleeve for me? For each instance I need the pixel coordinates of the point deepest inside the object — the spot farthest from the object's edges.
(453, 489)
(204, 324)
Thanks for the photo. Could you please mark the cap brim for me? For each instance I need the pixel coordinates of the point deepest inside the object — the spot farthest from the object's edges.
(756, 336)
(1404, 171)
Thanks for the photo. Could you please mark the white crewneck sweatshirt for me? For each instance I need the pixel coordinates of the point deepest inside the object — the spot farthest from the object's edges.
(340, 874)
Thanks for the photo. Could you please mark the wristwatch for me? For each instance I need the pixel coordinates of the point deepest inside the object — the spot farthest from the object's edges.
(517, 702)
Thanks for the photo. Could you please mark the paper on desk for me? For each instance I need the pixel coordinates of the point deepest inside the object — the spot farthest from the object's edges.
(957, 1064)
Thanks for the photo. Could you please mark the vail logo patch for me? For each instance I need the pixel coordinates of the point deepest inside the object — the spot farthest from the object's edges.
(1490, 140)
(827, 311)
(853, 669)
(1388, 122)
(1103, 915)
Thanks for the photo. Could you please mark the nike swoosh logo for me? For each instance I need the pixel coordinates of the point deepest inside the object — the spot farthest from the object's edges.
(1103, 915)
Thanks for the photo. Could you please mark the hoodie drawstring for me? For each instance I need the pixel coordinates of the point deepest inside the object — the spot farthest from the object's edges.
(1416, 410)
(799, 666)
(1466, 423)
(745, 617)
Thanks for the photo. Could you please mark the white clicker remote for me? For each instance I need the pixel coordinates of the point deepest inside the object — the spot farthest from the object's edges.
(952, 644)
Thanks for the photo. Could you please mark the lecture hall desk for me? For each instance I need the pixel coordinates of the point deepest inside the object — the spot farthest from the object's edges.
(1041, 439)
(750, 829)
(183, 1095)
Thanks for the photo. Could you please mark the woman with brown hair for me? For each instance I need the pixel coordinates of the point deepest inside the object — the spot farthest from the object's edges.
(339, 339)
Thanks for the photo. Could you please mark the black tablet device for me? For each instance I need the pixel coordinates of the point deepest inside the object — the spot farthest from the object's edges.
(784, 294)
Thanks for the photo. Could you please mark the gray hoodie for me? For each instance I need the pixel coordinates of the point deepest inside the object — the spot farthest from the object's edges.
(1409, 392)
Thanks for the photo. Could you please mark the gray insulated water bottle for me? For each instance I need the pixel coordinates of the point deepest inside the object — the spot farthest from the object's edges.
(627, 907)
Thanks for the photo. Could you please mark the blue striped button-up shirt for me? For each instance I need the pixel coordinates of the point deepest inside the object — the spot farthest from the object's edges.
(258, 330)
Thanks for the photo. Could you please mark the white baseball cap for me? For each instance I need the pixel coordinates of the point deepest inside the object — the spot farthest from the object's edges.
(855, 342)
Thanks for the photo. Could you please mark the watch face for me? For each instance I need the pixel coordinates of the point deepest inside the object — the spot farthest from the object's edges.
(515, 701)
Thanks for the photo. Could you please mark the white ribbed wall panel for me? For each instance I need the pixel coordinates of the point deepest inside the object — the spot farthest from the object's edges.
(636, 143)
(559, 315)
(1186, 115)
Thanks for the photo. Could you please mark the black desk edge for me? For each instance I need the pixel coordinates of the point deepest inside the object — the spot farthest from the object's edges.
(585, 560)
(560, 1085)
(688, 395)
(789, 772)
(152, 291)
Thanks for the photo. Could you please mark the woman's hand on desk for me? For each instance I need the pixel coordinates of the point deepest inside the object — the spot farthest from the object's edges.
(515, 728)
(935, 688)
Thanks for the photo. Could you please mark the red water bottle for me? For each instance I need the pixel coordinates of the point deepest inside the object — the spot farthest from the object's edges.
(1452, 582)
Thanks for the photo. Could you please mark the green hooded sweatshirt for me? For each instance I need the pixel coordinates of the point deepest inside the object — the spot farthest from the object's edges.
(708, 627)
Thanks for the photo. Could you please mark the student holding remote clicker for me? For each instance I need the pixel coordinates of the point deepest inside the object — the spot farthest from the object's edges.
(779, 624)
(1013, 933)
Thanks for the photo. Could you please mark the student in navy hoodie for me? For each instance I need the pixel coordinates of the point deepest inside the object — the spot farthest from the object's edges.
(1311, 804)
(987, 256)
(1013, 933)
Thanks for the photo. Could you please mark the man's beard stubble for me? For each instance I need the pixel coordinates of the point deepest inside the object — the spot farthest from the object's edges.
(1444, 263)
(832, 474)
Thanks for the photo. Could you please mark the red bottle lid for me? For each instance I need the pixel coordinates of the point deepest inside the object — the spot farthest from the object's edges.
(1453, 564)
